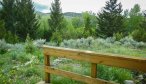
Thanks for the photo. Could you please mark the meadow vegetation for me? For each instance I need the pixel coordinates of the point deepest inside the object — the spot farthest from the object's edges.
(23, 31)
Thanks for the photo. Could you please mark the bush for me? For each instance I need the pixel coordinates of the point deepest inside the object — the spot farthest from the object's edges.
(3, 46)
(10, 38)
(115, 74)
(17, 47)
(39, 42)
(118, 36)
(57, 37)
(139, 35)
(89, 42)
(31, 71)
(29, 47)
(100, 43)
(144, 37)
(129, 42)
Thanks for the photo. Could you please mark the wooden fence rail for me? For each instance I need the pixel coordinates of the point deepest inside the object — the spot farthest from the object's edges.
(132, 63)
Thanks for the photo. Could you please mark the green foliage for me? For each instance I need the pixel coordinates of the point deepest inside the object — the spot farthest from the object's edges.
(114, 74)
(140, 33)
(110, 20)
(137, 35)
(43, 31)
(19, 18)
(8, 13)
(69, 32)
(57, 37)
(2, 30)
(31, 71)
(29, 47)
(133, 19)
(11, 38)
(14, 68)
(39, 42)
(100, 44)
(55, 21)
(77, 22)
(7, 35)
(118, 36)
(26, 19)
(89, 27)
(3, 46)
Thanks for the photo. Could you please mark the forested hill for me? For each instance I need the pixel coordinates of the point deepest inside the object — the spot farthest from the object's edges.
(67, 14)
(72, 14)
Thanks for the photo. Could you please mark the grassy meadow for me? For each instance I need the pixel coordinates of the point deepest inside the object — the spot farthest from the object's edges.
(23, 63)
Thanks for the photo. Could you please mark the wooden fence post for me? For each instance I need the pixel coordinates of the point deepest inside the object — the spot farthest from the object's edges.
(93, 70)
(47, 63)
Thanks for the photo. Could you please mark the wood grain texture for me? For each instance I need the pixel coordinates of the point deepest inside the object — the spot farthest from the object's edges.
(47, 63)
(133, 63)
(93, 70)
(78, 77)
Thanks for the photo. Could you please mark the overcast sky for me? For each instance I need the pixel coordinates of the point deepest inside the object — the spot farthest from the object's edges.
(84, 5)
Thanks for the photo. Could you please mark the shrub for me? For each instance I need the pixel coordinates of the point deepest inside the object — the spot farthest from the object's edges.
(10, 38)
(100, 43)
(118, 36)
(129, 42)
(29, 47)
(89, 42)
(17, 47)
(144, 37)
(39, 42)
(114, 74)
(137, 35)
(57, 37)
(3, 46)
(31, 71)
(51, 44)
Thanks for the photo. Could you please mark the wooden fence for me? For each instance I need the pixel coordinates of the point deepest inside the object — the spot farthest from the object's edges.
(132, 63)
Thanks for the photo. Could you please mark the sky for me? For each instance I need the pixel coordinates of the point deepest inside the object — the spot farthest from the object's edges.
(84, 5)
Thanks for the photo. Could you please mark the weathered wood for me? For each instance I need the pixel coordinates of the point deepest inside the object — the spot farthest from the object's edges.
(78, 77)
(47, 63)
(133, 63)
(93, 70)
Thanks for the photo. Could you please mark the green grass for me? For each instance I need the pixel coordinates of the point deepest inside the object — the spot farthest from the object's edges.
(33, 73)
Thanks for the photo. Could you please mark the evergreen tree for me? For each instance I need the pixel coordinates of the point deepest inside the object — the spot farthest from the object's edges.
(56, 20)
(19, 18)
(26, 19)
(2, 30)
(110, 20)
(7, 13)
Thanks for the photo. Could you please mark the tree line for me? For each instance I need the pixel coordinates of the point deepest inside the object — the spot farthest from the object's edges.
(18, 18)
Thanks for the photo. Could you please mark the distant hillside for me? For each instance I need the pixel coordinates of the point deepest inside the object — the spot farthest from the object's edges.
(72, 14)
(67, 14)
(41, 14)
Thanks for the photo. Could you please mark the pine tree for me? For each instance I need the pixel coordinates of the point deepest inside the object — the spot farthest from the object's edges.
(56, 19)
(26, 19)
(110, 20)
(2, 30)
(19, 18)
(7, 13)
